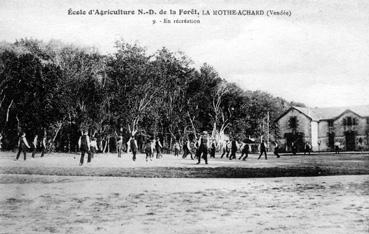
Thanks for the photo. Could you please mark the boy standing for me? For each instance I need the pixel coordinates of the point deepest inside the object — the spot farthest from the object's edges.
(120, 145)
(213, 149)
(148, 150)
(22, 145)
(233, 149)
(84, 146)
(43, 144)
(203, 147)
(158, 147)
(245, 151)
(34, 146)
(263, 150)
(225, 148)
(133, 146)
(176, 148)
(93, 146)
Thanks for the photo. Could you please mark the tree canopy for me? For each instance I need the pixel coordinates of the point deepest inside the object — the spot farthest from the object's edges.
(62, 89)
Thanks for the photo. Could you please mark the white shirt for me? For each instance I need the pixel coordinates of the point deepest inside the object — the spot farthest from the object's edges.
(35, 141)
(93, 144)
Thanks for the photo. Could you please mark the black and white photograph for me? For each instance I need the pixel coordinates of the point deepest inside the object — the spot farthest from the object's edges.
(187, 117)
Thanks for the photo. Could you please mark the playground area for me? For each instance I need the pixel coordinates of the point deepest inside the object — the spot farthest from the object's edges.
(54, 194)
(169, 166)
(70, 204)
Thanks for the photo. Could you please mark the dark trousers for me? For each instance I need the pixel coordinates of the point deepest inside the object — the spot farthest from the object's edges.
(212, 153)
(83, 156)
(43, 151)
(176, 152)
(92, 152)
(197, 153)
(233, 154)
(34, 151)
(148, 153)
(22, 149)
(203, 153)
(158, 152)
(261, 153)
(246, 153)
(276, 153)
(225, 152)
(134, 154)
(187, 152)
(119, 148)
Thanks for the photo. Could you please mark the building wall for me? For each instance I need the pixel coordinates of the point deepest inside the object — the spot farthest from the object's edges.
(323, 140)
(304, 125)
(317, 133)
(359, 129)
(340, 128)
(314, 135)
(339, 131)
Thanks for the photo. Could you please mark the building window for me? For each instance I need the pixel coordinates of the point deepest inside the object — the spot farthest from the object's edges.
(330, 123)
(367, 120)
(349, 121)
(293, 122)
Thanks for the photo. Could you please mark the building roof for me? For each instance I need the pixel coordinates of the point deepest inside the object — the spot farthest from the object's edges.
(332, 112)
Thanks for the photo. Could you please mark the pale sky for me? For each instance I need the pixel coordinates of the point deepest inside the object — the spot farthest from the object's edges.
(318, 56)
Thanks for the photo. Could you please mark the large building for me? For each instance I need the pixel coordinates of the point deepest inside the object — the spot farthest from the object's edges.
(323, 127)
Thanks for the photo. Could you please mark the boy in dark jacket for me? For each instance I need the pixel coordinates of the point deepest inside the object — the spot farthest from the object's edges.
(84, 146)
(22, 145)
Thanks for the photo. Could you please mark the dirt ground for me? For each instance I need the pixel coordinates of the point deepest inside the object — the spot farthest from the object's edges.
(58, 204)
(116, 195)
(176, 167)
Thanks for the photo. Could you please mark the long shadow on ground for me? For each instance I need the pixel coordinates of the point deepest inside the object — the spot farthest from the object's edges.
(194, 172)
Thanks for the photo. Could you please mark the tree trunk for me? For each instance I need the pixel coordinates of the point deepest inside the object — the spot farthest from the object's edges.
(104, 146)
(193, 126)
(7, 112)
(57, 131)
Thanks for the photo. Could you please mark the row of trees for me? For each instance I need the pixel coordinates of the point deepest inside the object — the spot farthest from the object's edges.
(61, 89)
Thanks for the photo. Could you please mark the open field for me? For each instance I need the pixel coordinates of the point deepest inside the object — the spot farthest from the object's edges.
(173, 167)
(116, 195)
(59, 204)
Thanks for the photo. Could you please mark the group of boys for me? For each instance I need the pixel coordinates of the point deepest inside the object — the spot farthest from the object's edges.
(229, 148)
(23, 146)
(132, 146)
(87, 146)
(151, 146)
(200, 148)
